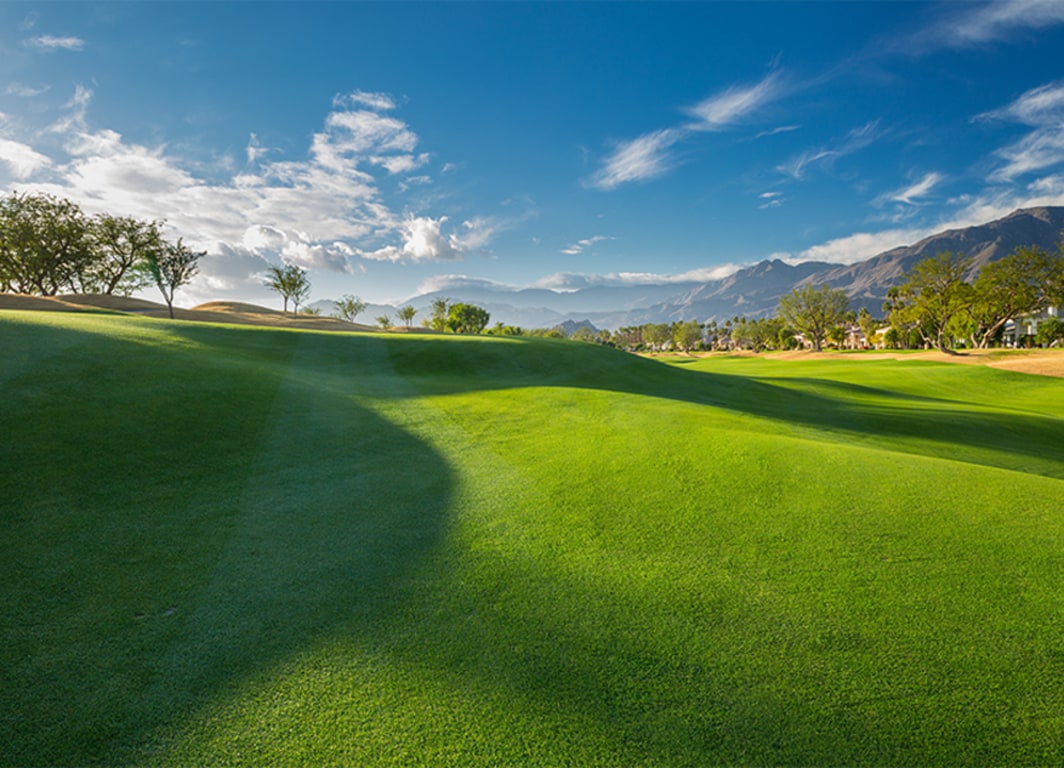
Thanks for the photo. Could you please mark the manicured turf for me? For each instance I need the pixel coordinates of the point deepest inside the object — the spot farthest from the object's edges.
(228, 546)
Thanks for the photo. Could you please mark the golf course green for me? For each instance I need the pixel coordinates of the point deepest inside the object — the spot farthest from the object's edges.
(227, 545)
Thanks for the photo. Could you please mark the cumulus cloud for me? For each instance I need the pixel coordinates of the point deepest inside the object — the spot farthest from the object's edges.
(22, 159)
(53, 43)
(319, 212)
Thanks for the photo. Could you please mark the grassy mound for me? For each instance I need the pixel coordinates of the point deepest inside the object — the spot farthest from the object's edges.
(235, 545)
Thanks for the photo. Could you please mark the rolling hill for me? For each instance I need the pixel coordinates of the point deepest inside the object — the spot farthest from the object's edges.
(228, 544)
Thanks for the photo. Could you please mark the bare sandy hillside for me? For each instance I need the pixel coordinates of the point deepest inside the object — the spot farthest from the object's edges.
(1045, 362)
(211, 312)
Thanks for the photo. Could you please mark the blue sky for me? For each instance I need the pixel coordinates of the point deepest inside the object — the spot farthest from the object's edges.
(396, 148)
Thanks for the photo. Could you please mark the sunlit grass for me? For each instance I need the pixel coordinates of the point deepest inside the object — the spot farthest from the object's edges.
(243, 546)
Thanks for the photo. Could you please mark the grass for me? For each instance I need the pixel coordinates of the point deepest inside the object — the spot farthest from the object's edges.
(239, 546)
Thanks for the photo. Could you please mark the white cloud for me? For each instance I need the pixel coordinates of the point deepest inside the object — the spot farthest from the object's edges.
(640, 159)
(854, 141)
(380, 102)
(859, 246)
(910, 195)
(23, 160)
(53, 43)
(648, 157)
(733, 104)
(581, 245)
(25, 91)
(317, 212)
(985, 22)
(1041, 108)
(570, 281)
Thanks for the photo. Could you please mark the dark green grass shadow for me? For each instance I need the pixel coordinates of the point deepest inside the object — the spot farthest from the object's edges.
(175, 524)
(961, 429)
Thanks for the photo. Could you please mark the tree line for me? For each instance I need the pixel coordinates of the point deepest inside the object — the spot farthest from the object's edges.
(48, 245)
(933, 305)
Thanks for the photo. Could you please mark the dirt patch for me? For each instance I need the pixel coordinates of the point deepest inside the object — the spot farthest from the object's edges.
(211, 312)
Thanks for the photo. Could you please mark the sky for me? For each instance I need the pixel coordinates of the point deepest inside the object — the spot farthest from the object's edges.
(392, 149)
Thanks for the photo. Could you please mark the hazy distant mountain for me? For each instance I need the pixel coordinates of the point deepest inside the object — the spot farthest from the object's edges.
(752, 292)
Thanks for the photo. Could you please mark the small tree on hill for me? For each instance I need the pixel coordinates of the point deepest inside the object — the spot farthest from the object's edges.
(171, 266)
(291, 282)
(349, 307)
(385, 322)
(407, 315)
(438, 320)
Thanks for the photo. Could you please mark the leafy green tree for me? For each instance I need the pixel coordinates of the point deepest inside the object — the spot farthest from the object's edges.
(934, 292)
(172, 266)
(349, 307)
(687, 335)
(291, 282)
(867, 324)
(1025, 282)
(123, 245)
(657, 335)
(812, 310)
(45, 244)
(438, 319)
(385, 322)
(837, 335)
(407, 314)
(1050, 330)
(500, 329)
(467, 318)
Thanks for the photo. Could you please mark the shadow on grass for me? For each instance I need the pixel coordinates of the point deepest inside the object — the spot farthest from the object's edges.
(175, 524)
(199, 527)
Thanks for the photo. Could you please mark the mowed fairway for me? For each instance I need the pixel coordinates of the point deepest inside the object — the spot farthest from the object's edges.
(242, 546)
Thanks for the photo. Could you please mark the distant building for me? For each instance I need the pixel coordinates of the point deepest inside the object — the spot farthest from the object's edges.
(1025, 325)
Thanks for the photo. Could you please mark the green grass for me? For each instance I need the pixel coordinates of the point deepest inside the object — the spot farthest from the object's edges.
(241, 546)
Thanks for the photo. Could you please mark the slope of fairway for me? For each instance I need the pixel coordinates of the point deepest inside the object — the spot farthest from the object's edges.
(244, 546)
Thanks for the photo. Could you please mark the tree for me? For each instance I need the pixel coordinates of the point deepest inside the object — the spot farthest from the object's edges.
(438, 320)
(467, 318)
(1025, 282)
(407, 314)
(688, 335)
(867, 324)
(837, 335)
(385, 322)
(934, 292)
(171, 266)
(657, 335)
(291, 282)
(349, 307)
(813, 310)
(45, 244)
(1050, 330)
(123, 245)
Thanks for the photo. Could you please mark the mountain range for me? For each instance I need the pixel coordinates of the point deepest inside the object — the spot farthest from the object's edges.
(754, 291)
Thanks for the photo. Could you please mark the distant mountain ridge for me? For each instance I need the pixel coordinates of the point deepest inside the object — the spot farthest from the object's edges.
(754, 291)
